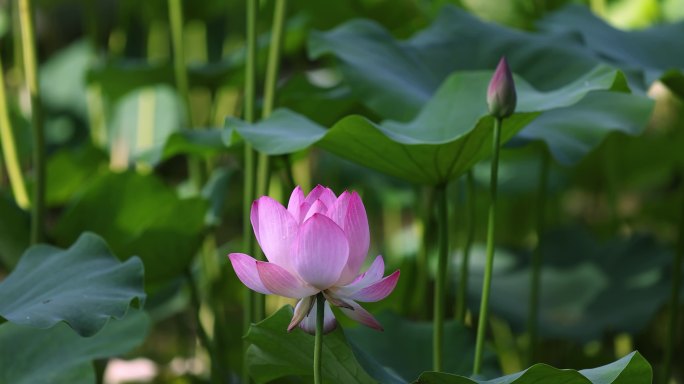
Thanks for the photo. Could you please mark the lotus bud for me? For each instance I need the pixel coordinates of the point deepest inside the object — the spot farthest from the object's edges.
(501, 96)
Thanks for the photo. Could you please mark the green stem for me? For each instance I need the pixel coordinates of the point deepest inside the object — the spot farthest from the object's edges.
(272, 67)
(9, 149)
(440, 281)
(17, 51)
(489, 266)
(422, 279)
(180, 72)
(537, 258)
(318, 342)
(273, 64)
(31, 75)
(179, 66)
(462, 294)
(201, 332)
(249, 182)
(674, 300)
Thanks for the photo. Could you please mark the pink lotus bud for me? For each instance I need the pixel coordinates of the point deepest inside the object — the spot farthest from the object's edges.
(317, 244)
(501, 96)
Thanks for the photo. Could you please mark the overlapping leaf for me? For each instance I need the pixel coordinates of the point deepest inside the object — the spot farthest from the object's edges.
(623, 285)
(84, 286)
(632, 368)
(395, 78)
(652, 51)
(58, 355)
(451, 133)
(138, 214)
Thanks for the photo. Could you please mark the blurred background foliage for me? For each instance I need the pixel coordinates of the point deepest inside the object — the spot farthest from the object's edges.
(116, 144)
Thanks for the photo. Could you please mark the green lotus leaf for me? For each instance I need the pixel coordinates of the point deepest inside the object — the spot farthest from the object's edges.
(84, 286)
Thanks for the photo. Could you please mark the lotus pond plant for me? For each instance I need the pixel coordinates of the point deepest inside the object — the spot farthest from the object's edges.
(315, 249)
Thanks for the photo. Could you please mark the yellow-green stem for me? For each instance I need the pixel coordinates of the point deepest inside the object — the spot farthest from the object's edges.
(31, 76)
(318, 342)
(462, 293)
(17, 51)
(489, 266)
(9, 149)
(537, 258)
(440, 281)
(179, 66)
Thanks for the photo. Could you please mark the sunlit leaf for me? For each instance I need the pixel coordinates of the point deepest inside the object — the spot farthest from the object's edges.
(142, 122)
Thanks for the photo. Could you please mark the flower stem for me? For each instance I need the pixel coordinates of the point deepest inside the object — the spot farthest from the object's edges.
(318, 342)
(31, 75)
(440, 281)
(462, 293)
(674, 301)
(537, 258)
(489, 266)
(9, 150)
(264, 167)
(249, 182)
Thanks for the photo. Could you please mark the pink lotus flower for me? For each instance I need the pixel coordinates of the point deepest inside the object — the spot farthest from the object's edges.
(318, 244)
(501, 96)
